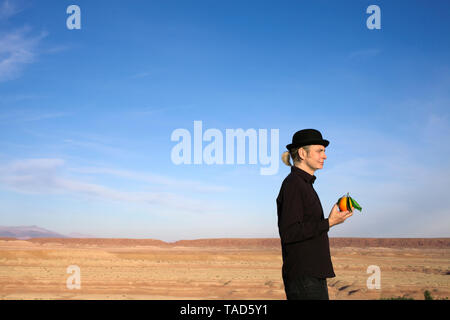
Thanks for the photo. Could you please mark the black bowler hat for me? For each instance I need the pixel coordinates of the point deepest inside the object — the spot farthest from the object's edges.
(307, 137)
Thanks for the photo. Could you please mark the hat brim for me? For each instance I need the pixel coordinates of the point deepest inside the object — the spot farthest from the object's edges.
(322, 142)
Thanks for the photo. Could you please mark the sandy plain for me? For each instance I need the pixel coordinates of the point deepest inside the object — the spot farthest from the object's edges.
(214, 268)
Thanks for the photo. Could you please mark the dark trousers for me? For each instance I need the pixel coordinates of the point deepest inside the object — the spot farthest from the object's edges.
(304, 287)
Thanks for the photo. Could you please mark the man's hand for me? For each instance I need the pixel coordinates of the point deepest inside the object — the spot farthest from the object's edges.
(337, 217)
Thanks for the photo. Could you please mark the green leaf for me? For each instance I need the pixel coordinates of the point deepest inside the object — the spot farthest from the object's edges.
(355, 204)
(349, 208)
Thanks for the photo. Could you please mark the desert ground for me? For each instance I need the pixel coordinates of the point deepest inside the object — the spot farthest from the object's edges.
(213, 268)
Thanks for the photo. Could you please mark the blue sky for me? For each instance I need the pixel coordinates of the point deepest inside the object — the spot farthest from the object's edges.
(86, 116)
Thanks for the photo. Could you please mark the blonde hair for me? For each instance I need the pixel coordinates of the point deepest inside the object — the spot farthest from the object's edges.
(293, 154)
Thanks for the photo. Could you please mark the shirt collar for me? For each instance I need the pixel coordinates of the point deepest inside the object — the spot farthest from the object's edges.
(303, 174)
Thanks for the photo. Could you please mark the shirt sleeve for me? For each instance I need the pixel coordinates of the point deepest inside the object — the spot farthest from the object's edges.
(291, 224)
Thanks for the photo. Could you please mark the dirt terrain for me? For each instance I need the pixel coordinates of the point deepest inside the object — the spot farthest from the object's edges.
(213, 268)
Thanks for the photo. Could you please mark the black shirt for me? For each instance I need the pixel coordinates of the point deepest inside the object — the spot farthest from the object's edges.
(303, 228)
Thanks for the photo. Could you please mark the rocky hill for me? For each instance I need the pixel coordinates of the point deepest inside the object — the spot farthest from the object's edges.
(27, 232)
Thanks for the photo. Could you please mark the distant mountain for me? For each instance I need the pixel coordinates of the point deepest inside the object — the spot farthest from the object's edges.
(80, 235)
(27, 232)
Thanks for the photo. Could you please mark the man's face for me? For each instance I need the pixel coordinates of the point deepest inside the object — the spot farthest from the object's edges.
(315, 157)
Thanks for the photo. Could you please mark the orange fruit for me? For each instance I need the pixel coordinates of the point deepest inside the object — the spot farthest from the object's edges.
(345, 204)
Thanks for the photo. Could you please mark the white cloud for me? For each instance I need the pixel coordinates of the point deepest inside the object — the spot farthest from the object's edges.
(28, 114)
(46, 176)
(94, 146)
(17, 49)
(8, 9)
(45, 116)
(153, 179)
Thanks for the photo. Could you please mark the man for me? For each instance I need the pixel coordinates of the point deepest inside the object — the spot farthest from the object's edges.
(301, 223)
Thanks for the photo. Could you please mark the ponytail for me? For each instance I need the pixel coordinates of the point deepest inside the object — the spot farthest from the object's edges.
(286, 158)
(293, 154)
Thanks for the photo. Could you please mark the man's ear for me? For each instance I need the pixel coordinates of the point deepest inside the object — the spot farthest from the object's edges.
(301, 153)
